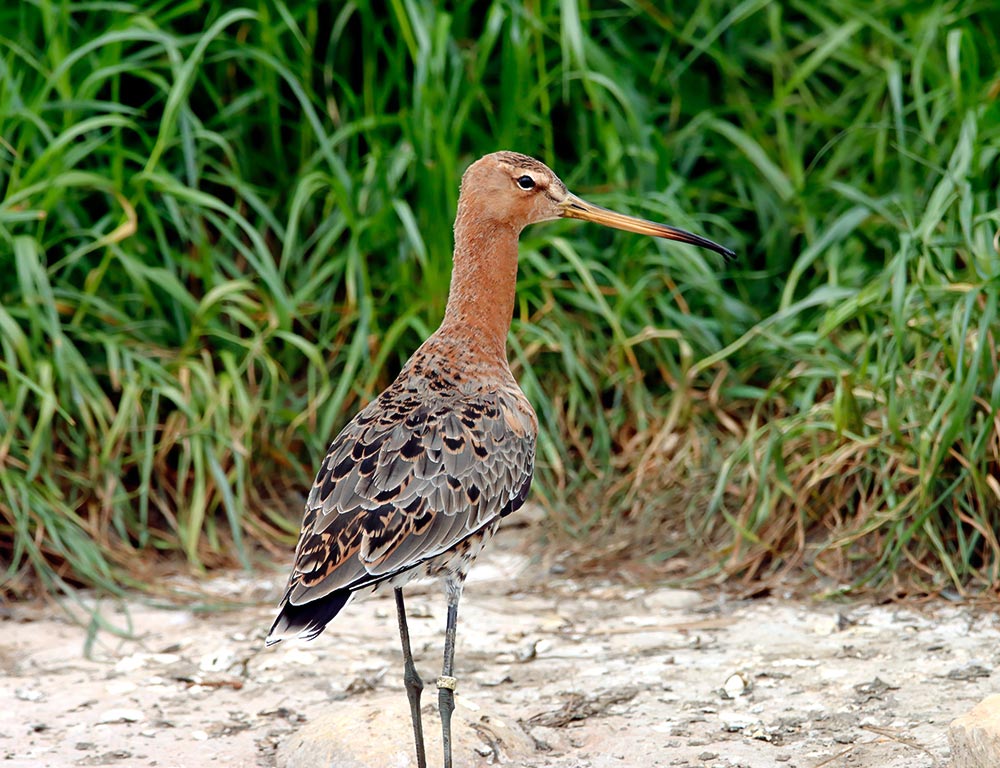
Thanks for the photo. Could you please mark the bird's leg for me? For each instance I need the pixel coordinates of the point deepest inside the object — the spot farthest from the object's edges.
(446, 683)
(414, 685)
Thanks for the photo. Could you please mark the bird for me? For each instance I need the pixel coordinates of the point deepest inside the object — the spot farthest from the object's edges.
(420, 479)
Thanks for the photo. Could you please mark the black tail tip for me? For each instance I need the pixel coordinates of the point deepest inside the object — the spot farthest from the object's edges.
(308, 620)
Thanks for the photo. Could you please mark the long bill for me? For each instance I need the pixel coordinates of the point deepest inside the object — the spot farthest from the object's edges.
(575, 208)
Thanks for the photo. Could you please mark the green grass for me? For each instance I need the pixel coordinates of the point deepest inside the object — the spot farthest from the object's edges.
(224, 228)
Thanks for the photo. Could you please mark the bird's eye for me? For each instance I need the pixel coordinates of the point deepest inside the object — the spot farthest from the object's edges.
(526, 182)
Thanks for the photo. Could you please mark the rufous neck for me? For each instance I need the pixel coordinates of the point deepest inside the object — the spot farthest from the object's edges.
(483, 282)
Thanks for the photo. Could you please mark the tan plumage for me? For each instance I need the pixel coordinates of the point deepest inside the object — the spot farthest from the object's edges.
(419, 480)
(431, 463)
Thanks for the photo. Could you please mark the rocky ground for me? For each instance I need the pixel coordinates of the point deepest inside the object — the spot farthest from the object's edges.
(552, 672)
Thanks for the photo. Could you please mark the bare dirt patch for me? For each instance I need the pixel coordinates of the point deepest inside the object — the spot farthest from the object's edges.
(597, 674)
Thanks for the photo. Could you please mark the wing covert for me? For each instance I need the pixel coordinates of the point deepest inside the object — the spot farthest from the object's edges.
(406, 480)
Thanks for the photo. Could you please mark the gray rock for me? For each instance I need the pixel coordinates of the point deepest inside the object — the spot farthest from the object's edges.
(665, 599)
(975, 736)
(364, 733)
(29, 694)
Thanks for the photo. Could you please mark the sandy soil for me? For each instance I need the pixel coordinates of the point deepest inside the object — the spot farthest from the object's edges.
(598, 674)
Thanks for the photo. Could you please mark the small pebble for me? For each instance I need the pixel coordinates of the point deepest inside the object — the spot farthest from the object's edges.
(120, 716)
(736, 685)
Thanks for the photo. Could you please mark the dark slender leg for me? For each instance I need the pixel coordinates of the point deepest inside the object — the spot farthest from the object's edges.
(446, 683)
(414, 685)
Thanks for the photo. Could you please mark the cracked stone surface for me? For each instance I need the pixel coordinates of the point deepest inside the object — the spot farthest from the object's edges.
(552, 672)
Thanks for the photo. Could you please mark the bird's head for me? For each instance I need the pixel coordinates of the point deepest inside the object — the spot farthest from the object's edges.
(517, 190)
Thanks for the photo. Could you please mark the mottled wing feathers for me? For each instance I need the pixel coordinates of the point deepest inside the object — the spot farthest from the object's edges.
(408, 479)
